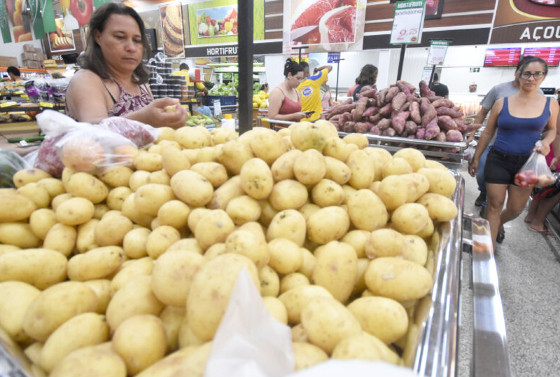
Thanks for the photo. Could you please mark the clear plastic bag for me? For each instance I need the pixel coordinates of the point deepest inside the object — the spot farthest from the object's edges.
(10, 163)
(535, 172)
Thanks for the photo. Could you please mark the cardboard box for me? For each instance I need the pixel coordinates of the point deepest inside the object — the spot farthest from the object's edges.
(7, 61)
(27, 56)
(28, 47)
(33, 64)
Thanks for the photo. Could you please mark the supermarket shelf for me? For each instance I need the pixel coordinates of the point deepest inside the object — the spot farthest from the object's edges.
(15, 127)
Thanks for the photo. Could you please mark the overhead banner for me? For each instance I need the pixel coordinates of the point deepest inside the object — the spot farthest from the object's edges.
(215, 22)
(523, 21)
(172, 30)
(408, 22)
(4, 25)
(20, 26)
(324, 25)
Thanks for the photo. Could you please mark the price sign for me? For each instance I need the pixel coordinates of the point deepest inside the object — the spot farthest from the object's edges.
(427, 74)
(408, 22)
(333, 57)
(437, 52)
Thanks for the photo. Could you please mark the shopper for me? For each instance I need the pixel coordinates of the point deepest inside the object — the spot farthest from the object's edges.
(498, 91)
(284, 102)
(112, 79)
(14, 73)
(310, 90)
(473, 87)
(264, 87)
(439, 88)
(519, 121)
(326, 97)
(367, 76)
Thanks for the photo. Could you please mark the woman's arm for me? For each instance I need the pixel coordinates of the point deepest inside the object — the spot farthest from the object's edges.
(556, 146)
(550, 129)
(275, 102)
(86, 97)
(486, 136)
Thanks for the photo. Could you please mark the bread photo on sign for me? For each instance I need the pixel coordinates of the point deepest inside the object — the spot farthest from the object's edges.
(172, 30)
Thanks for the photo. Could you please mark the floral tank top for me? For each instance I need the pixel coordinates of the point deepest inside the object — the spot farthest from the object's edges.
(127, 102)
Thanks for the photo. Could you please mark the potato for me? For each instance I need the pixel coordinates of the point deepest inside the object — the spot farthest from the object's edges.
(415, 249)
(283, 167)
(173, 161)
(140, 341)
(357, 239)
(393, 191)
(33, 352)
(172, 317)
(366, 347)
(160, 239)
(306, 135)
(288, 194)
(417, 186)
(223, 135)
(38, 267)
(25, 176)
(116, 176)
(129, 270)
(150, 197)
(159, 177)
(270, 282)
(102, 289)
(59, 199)
(192, 188)
(366, 210)
(234, 154)
(337, 170)
(360, 140)
(289, 224)
(116, 197)
(307, 355)
(256, 179)
(138, 179)
(310, 167)
(266, 144)
(293, 280)
(83, 330)
(299, 334)
(285, 255)
(87, 186)
(337, 148)
(134, 243)
(148, 161)
(296, 299)
(61, 238)
(191, 362)
(308, 262)
(186, 244)
(226, 192)
(362, 169)
(327, 193)
(384, 243)
(174, 213)
(18, 234)
(95, 264)
(382, 317)
(195, 216)
(276, 309)
(428, 230)
(409, 281)
(249, 244)
(75, 211)
(53, 186)
(441, 181)
(193, 137)
(243, 209)
(210, 291)
(213, 227)
(410, 218)
(134, 298)
(41, 221)
(15, 298)
(112, 230)
(336, 269)
(37, 194)
(99, 361)
(327, 224)
(173, 274)
(55, 305)
(440, 207)
(100, 210)
(360, 285)
(326, 322)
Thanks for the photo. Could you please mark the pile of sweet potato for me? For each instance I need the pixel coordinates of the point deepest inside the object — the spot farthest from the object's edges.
(399, 111)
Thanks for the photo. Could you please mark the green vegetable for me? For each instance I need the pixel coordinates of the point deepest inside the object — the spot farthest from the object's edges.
(10, 163)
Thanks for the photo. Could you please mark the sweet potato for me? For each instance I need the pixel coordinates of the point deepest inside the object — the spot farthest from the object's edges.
(446, 123)
(447, 111)
(443, 102)
(441, 136)
(410, 127)
(386, 110)
(425, 90)
(406, 106)
(398, 101)
(398, 120)
(454, 135)
(391, 93)
(388, 132)
(384, 123)
(432, 129)
(361, 127)
(342, 108)
(415, 112)
(381, 97)
(358, 112)
(348, 127)
(369, 93)
(420, 133)
(411, 88)
(434, 98)
(370, 111)
(374, 130)
(375, 118)
(428, 112)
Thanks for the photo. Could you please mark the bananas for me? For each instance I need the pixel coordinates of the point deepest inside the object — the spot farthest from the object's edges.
(62, 43)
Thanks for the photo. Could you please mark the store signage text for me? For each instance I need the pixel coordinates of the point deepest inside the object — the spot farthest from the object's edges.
(540, 32)
(221, 51)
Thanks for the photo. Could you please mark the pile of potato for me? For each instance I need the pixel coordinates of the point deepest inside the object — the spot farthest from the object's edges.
(129, 271)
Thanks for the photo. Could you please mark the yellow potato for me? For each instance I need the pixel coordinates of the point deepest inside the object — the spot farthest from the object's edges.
(33, 352)
(308, 263)
(441, 181)
(393, 191)
(61, 238)
(382, 317)
(327, 224)
(150, 197)
(186, 244)
(337, 170)
(226, 192)
(327, 128)
(327, 322)
(193, 137)
(362, 168)
(173, 160)
(296, 299)
(128, 271)
(83, 330)
(306, 135)
(134, 243)
(112, 230)
(41, 221)
(117, 196)
(173, 274)
(18, 234)
(210, 291)
(276, 309)
(195, 215)
(283, 167)
(256, 179)
(243, 209)
(223, 135)
(116, 176)
(59, 199)
(414, 157)
(172, 317)
(102, 289)
(75, 211)
(270, 282)
(310, 167)
(140, 341)
(213, 227)
(160, 239)
(357, 239)
(266, 144)
(435, 164)
(148, 161)
(234, 154)
(360, 285)
(336, 269)
(327, 193)
(306, 355)
(293, 280)
(415, 249)
(337, 148)
(99, 361)
(440, 207)
(299, 334)
(384, 243)
(38, 267)
(53, 186)
(55, 305)
(15, 298)
(366, 210)
(95, 264)
(288, 194)
(87, 186)
(285, 255)
(409, 280)
(25, 176)
(37, 194)
(410, 218)
(192, 188)
(138, 179)
(360, 140)
(365, 347)
(249, 244)
(187, 361)
(289, 224)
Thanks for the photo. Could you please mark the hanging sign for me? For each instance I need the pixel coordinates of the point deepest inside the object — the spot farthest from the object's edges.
(333, 57)
(408, 22)
(427, 74)
(437, 52)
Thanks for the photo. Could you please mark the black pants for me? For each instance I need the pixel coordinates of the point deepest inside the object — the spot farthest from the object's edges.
(501, 167)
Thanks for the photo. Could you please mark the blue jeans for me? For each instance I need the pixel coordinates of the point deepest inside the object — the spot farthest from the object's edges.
(480, 172)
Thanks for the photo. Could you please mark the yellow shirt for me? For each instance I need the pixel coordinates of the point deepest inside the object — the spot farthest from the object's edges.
(310, 94)
(183, 72)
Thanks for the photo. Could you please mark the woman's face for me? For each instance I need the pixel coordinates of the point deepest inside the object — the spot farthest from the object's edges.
(532, 75)
(121, 43)
(294, 81)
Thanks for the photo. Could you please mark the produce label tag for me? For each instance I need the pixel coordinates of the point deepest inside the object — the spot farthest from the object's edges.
(408, 22)
(437, 52)
(46, 104)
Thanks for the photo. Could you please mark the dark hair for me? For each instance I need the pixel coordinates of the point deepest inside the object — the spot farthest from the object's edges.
(436, 77)
(265, 85)
(523, 63)
(184, 66)
(14, 70)
(368, 75)
(93, 58)
(292, 67)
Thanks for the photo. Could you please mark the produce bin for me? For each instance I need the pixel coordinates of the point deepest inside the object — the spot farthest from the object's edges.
(224, 100)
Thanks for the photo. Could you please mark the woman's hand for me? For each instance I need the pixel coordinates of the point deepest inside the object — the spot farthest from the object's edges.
(163, 112)
(298, 116)
(473, 167)
(543, 148)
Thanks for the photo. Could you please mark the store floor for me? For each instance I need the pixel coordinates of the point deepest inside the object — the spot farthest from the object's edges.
(529, 276)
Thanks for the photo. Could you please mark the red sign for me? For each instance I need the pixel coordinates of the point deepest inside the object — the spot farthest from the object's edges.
(502, 57)
(551, 55)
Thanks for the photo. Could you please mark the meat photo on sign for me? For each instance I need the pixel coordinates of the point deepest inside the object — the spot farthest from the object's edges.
(331, 25)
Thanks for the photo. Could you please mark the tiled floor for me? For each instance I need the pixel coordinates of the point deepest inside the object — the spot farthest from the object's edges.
(529, 275)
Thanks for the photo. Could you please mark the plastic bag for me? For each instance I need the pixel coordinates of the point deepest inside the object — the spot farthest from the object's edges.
(535, 172)
(10, 163)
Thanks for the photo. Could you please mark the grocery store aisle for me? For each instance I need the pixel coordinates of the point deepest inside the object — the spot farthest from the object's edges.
(529, 277)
